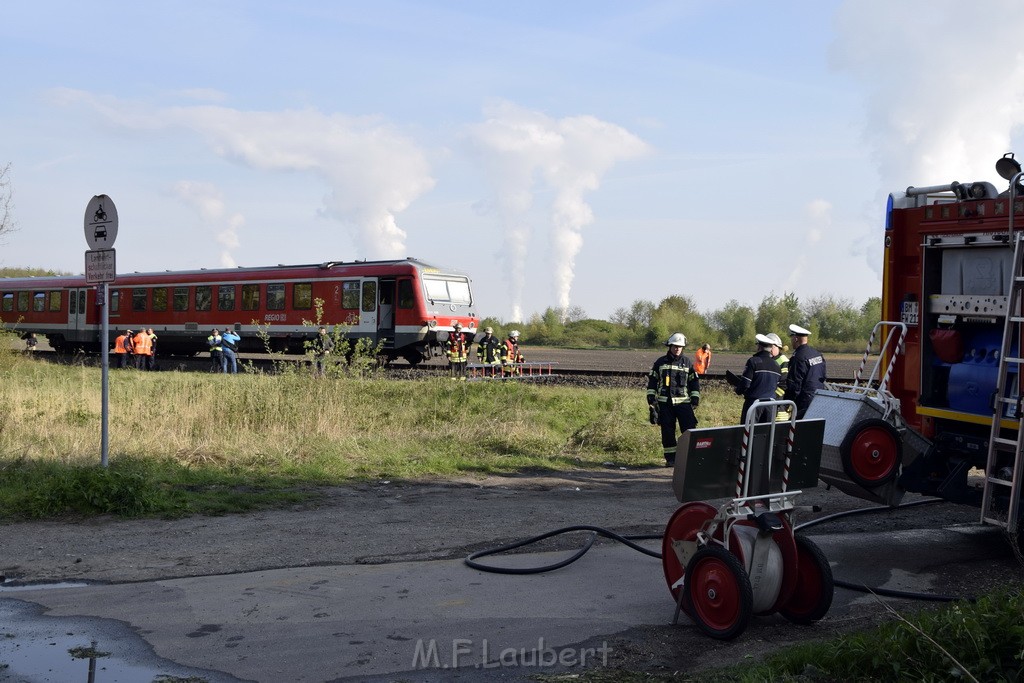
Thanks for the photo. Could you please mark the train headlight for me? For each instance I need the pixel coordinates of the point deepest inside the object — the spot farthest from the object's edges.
(431, 324)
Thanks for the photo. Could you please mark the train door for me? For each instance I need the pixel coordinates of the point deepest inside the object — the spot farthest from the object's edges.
(76, 316)
(368, 306)
(386, 312)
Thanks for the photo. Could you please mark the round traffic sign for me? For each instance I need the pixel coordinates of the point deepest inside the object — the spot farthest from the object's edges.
(100, 222)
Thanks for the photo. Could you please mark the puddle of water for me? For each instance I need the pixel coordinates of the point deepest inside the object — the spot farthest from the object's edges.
(38, 649)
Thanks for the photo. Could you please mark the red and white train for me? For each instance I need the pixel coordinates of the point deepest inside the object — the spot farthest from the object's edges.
(406, 305)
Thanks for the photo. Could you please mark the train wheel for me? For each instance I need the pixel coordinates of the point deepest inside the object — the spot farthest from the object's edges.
(815, 587)
(871, 453)
(413, 357)
(682, 528)
(718, 591)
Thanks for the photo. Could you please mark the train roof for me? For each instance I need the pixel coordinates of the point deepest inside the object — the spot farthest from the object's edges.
(284, 269)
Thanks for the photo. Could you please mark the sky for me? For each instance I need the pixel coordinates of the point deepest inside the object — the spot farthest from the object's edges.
(582, 153)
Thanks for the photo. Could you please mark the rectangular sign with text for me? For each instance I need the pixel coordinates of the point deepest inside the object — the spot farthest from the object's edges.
(100, 266)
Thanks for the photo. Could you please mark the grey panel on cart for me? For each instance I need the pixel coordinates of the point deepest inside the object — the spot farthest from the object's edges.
(708, 460)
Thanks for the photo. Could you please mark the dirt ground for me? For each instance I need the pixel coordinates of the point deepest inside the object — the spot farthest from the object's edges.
(392, 521)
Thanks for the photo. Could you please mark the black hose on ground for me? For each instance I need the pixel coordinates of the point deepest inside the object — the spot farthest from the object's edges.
(596, 531)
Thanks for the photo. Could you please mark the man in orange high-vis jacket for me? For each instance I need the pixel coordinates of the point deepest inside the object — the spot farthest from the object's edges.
(141, 343)
(121, 344)
(702, 360)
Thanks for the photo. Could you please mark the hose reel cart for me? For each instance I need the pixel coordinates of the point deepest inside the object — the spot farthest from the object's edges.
(725, 564)
(866, 441)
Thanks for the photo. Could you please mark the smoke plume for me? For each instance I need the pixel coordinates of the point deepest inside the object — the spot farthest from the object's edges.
(524, 153)
(944, 85)
(207, 200)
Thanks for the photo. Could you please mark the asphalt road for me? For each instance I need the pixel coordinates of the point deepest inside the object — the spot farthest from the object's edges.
(416, 620)
(370, 585)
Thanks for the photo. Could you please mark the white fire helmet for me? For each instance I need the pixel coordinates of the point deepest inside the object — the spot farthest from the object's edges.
(514, 334)
(677, 339)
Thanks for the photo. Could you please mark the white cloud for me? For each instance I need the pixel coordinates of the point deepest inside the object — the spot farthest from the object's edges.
(372, 171)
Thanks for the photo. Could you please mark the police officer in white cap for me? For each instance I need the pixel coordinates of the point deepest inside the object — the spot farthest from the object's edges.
(759, 380)
(806, 370)
(673, 391)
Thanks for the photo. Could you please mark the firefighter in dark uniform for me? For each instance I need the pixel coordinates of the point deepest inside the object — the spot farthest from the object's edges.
(759, 380)
(806, 371)
(488, 351)
(673, 391)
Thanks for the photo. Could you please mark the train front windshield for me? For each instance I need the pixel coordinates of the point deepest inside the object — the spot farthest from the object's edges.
(447, 289)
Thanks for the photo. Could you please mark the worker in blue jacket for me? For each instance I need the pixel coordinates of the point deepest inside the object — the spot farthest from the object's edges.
(229, 351)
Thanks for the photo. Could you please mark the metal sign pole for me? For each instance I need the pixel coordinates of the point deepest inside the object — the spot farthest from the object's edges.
(101, 299)
(101, 268)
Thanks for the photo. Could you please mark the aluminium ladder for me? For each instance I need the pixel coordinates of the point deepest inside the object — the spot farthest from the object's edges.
(1007, 479)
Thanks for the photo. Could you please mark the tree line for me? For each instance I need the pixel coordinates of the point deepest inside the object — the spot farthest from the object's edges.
(837, 324)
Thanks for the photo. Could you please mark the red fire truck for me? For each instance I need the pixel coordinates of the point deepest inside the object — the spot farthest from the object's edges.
(952, 283)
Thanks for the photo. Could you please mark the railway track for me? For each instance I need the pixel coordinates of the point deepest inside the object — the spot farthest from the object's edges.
(588, 367)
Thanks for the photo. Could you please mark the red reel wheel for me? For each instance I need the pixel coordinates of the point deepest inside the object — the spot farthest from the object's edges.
(718, 592)
(871, 453)
(815, 587)
(684, 524)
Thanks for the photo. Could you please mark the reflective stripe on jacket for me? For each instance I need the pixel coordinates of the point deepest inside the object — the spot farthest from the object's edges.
(673, 380)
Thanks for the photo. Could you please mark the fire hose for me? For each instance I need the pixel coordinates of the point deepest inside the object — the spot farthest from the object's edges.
(596, 531)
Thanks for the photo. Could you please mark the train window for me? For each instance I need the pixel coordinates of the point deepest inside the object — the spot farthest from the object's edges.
(250, 297)
(38, 302)
(180, 298)
(160, 299)
(453, 290)
(350, 294)
(275, 297)
(55, 301)
(81, 303)
(369, 296)
(115, 300)
(204, 298)
(405, 295)
(225, 297)
(302, 295)
(139, 297)
(8, 301)
(22, 301)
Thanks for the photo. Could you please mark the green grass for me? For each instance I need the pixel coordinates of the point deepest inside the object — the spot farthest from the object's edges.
(184, 443)
(980, 641)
